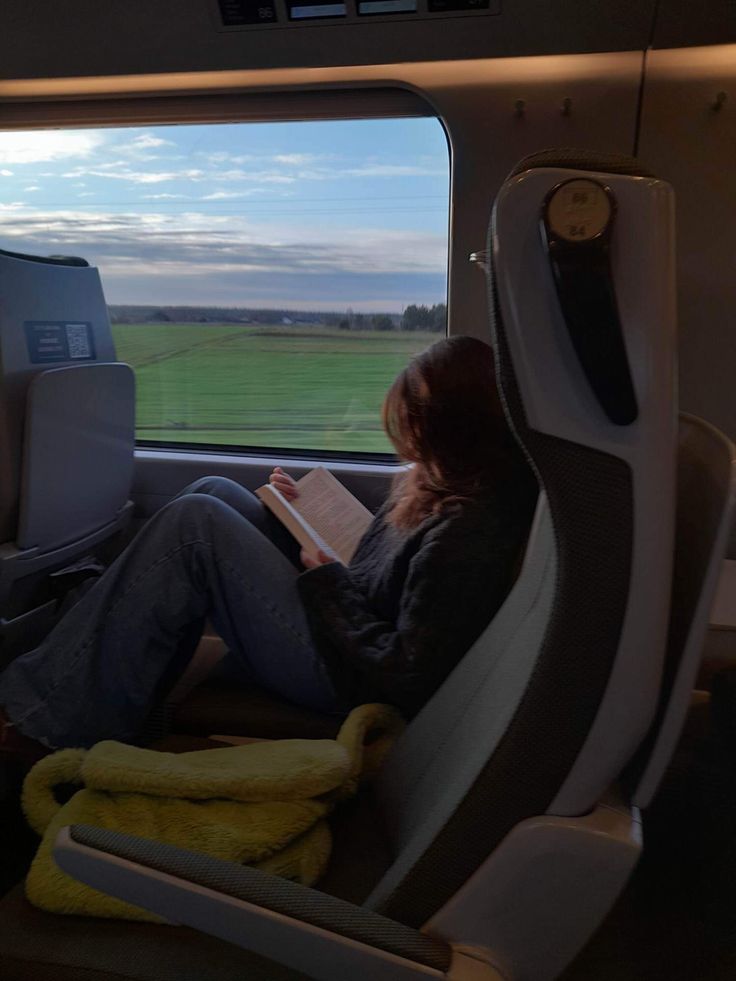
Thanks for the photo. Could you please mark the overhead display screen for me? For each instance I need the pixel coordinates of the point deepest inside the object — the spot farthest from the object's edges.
(386, 7)
(244, 14)
(308, 10)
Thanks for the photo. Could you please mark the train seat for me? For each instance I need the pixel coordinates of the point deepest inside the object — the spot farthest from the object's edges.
(510, 834)
(67, 416)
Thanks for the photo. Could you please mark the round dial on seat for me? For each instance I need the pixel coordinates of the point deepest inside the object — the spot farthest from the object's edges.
(578, 210)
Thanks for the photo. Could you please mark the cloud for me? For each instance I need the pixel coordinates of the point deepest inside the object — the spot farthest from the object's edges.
(36, 146)
(393, 170)
(158, 197)
(225, 195)
(215, 258)
(146, 141)
(139, 148)
(6, 173)
(33, 187)
(294, 159)
(111, 171)
(260, 176)
(223, 156)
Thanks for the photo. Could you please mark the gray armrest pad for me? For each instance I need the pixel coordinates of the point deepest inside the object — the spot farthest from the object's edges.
(271, 892)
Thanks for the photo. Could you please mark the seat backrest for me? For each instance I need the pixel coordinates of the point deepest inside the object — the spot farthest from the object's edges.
(554, 697)
(62, 399)
(77, 453)
(706, 489)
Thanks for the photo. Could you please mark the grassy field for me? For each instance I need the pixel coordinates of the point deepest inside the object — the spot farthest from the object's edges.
(297, 387)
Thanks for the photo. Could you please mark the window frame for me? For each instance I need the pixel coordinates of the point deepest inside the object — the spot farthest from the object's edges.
(330, 102)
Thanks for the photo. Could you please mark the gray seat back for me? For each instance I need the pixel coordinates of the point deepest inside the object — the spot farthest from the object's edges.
(706, 488)
(77, 453)
(53, 315)
(546, 709)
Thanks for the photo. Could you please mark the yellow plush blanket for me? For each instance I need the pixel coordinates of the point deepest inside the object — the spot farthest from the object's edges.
(262, 804)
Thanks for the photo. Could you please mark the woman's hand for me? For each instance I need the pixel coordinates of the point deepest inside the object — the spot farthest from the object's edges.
(284, 484)
(310, 562)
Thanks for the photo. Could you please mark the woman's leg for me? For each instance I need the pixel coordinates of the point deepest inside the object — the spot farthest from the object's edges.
(95, 675)
(251, 508)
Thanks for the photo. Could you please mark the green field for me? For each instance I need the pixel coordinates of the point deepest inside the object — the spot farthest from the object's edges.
(297, 387)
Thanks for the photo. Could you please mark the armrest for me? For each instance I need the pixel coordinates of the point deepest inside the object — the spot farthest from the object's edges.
(312, 932)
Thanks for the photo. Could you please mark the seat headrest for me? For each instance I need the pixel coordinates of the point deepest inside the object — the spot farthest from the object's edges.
(571, 158)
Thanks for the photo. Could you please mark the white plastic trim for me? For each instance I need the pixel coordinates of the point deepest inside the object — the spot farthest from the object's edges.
(535, 902)
(558, 400)
(470, 965)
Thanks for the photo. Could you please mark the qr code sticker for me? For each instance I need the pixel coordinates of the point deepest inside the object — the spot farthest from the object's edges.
(77, 336)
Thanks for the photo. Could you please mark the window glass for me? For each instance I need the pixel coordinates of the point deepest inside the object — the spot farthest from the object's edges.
(266, 281)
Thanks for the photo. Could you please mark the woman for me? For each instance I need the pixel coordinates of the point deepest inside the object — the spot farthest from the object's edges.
(428, 576)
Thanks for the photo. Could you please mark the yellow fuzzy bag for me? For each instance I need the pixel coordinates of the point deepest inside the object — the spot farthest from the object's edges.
(262, 804)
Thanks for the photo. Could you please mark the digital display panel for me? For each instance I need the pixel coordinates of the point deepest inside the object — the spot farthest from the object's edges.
(386, 7)
(237, 12)
(299, 10)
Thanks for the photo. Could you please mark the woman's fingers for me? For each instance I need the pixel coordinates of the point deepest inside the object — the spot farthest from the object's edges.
(307, 561)
(310, 562)
(283, 483)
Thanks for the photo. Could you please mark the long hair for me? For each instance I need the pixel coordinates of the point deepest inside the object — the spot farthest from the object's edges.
(443, 414)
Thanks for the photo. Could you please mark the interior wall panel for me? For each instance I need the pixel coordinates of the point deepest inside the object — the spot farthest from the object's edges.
(691, 143)
(47, 39)
(682, 23)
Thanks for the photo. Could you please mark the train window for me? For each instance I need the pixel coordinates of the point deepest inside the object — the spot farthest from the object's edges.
(265, 280)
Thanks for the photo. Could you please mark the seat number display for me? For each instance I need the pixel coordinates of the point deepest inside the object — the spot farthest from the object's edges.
(578, 211)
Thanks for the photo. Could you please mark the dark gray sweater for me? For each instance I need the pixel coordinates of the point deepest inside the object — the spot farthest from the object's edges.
(392, 625)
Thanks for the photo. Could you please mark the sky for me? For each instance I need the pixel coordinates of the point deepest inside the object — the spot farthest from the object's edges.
(311, 215)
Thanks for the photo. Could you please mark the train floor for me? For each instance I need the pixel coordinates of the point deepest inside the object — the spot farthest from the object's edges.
(676, 921)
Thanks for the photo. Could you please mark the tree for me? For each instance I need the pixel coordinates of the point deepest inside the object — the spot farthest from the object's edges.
(344, 324)
(439, 317)
(417, 318)
(382, 322)
(410, 318)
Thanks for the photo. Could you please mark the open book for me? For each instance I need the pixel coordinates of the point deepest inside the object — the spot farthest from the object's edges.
(325, 515)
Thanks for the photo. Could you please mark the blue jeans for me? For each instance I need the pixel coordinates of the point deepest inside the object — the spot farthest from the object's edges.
(214, 551)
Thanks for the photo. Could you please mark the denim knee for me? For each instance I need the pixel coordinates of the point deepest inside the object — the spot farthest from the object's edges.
(192, 514)
(229, 492)
(220, 487)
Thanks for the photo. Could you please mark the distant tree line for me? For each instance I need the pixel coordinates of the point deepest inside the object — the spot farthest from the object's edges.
(141, 314)
(413, 318)
(425, 318)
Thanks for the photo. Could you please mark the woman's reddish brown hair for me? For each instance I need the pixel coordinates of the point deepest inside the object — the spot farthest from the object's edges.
(443, 414)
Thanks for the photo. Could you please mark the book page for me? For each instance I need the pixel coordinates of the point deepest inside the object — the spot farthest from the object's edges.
(337, 517)
(292, 520)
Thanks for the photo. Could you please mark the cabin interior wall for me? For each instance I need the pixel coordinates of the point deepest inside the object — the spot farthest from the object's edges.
(689, 143)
